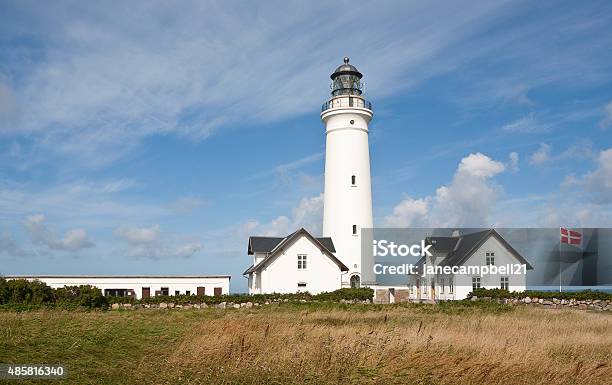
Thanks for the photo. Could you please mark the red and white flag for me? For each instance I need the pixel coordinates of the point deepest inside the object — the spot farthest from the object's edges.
(571, 237)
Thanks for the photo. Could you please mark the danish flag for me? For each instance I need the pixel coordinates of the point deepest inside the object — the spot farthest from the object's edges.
(570, 237)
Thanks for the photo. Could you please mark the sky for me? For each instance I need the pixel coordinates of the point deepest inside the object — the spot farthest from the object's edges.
(153, 137)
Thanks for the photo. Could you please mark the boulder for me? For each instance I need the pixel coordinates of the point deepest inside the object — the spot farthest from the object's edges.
(115, 306)
(527, 300)
(236, 306)
(163, 305)
(221, 305)
(171, 305)
(248, 305)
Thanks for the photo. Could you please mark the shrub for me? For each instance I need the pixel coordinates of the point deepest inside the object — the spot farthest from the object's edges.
(21, 291)
(80, 296)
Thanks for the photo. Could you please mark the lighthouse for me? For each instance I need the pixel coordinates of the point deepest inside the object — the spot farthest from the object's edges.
(348, 191)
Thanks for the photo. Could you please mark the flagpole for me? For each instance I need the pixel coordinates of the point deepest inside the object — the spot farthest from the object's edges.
(560, 260)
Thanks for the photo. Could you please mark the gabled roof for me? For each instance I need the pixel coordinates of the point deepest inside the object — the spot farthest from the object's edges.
(267, 244)
(277, 248)
(461, 248)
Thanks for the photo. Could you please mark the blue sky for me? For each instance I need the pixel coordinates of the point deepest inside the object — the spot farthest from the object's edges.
(154, 138)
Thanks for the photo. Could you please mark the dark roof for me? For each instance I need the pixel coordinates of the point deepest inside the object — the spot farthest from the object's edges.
(325, 245)
(267, 244)
(460, 248)
(442, 244)
(346, 69)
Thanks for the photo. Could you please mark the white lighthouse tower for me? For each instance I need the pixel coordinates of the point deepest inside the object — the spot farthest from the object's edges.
(348, 192)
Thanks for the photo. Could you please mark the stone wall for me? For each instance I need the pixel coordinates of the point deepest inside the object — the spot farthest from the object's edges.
(554, 303)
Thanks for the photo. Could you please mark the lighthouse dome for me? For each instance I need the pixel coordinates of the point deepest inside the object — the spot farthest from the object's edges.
(346, 69)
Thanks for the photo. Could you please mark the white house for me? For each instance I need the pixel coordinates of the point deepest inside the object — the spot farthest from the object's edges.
(482, 248)
(297, 262)
(141, 286)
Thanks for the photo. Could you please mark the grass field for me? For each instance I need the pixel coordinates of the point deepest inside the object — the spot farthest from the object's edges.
(318, 344)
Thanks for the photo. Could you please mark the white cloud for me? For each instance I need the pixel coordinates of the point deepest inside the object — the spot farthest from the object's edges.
(542, 155)
(525, 125)
(9, 246)
(187, 250)
(138, 235)
(73, 240)
(480, 166)
(468, 200)
(186, 205)
(514, 161)
(606, 121)
(597, 182)
(409, 213)
(307, 214)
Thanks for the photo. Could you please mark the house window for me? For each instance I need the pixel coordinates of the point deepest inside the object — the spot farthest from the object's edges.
(301, 262)
(177, 292)
(187, 292)
(353, 180)
(164, 291)
(490, 258)
(450, 286)
(354, 229)
(301, 285)
(475, 283)
(505, 283)
(424, 286)
(441, 284)
(355, 281)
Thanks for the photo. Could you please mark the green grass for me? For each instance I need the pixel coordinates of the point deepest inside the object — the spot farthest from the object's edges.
(314, 343)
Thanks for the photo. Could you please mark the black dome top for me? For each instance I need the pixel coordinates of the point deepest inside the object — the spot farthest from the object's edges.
(346, 69)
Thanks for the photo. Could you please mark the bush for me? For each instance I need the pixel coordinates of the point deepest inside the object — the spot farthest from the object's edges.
(24, 294)
(21, 291)
(80, 296)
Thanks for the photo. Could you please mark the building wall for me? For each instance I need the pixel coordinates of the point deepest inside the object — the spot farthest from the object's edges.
(502, 257)
(345, 204)
(137, 283)
(282, 274)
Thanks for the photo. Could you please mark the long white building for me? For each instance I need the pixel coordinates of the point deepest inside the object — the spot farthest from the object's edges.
(140, 286)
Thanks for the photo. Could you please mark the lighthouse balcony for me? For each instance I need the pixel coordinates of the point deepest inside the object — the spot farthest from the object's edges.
(346, 101)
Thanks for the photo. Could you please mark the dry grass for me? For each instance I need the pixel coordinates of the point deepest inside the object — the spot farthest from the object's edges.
(371, 345)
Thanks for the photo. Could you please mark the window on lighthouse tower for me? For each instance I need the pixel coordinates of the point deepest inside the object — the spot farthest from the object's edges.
(353, 180)
(354, 229)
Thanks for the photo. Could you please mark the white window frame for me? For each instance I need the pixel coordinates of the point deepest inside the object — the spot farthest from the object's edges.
(302, 261)
(476, 283)
(451, 287)
(504, 281)
(490, 258)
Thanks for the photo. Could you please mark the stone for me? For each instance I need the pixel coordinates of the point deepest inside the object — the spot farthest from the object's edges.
(221, 305)
(203, 305)
(163, 305)
(196, 305)
(474, 298)
(127, 305)
(248, 305)
(188, 306)
(115, 306)
(256, 304)
(243, 304)
(527, 300)
(171, 305)
(582, 306)
(236, 306)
